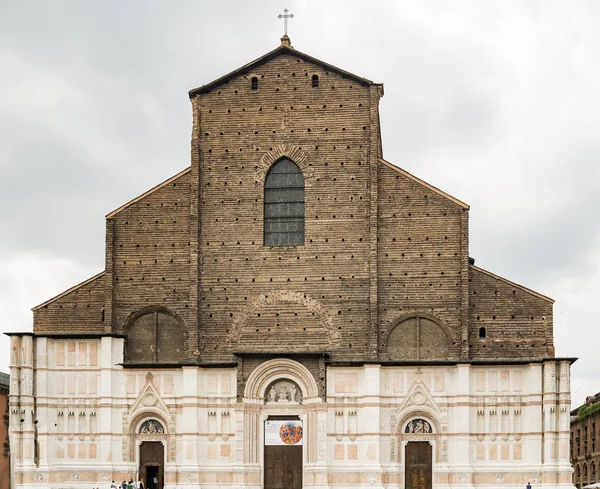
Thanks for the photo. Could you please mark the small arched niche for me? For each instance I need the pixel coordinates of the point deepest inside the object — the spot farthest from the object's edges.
(284, 391)
(417, 338)
(155, 336)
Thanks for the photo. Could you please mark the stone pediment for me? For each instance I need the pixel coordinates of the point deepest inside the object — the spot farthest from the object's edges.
(149, 399)
(419, 397)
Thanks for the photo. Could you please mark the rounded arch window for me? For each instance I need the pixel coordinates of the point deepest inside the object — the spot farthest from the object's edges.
(315, 81)
(417, 338)
(155, 337)
(284, 205)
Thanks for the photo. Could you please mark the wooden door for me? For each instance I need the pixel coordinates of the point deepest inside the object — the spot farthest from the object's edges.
(151, 464)
(418, 465)
(283, 467)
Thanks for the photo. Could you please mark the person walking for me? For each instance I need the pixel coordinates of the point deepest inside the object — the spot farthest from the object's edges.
(528, 485)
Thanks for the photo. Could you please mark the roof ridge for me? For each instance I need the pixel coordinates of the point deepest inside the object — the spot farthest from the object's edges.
(424, 183)
(514, 284)
(270, 55)
(147, 192)
(68, 291)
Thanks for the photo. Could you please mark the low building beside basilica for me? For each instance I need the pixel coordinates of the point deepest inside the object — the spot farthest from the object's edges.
(291, 310)
(585, 447)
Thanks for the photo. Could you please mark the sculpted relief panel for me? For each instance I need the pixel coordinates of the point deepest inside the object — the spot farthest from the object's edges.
(418, 426)
(283, 391)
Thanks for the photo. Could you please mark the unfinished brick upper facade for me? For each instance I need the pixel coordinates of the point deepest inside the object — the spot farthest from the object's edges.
(375, 322)
(380, 245)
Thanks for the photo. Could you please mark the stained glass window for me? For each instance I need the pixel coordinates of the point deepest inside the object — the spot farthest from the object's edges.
(284, 205)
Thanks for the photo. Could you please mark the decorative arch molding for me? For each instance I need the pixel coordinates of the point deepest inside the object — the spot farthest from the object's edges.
(280, 368)
(422, 412)
(150, 414)
(134, 316)
(136, 438)
(312, 305)
(292, 152)
(417, 336)
(155, 334)
(414, 314)
(437, 437)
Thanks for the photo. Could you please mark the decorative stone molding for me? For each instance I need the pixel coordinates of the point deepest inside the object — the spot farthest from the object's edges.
(280, 368)
(254, 306)
(292, 152)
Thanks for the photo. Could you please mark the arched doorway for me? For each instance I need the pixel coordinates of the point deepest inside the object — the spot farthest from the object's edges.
(151, 440)
(418, 440)
(284, 417)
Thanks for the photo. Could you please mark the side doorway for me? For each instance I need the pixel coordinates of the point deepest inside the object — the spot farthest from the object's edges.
(418, 465)
(151, 464)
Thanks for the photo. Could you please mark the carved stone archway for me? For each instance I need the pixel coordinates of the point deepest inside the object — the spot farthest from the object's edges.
(266, 373)
(136, 436)
(312, 411)
(435, 436)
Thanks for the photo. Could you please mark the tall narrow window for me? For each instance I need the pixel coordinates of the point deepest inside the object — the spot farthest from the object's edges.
(284, 205)
(254, 83)
(482, 333)
(315, 81)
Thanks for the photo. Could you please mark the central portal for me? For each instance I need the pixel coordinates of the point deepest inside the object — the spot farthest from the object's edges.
(418, 465)
(283, 452)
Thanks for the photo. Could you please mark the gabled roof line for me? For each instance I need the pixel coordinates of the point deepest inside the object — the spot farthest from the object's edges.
(424, 183)
(148, 192)
(513, 284)
(68, 291)
(270, 55)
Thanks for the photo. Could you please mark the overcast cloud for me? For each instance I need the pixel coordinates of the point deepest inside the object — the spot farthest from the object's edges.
(496, 102)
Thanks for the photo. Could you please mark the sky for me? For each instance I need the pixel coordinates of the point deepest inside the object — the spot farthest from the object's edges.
(494, 102)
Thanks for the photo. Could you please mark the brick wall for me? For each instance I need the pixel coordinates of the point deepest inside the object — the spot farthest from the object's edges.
(420, 255)
(79, 310)
(380, 245)
(238, 134)
(517, 321)
(148, 258)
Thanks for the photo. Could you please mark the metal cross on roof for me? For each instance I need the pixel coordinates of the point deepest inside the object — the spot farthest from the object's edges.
(285, 16)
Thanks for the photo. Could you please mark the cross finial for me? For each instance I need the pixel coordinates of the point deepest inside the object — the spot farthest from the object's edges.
(285, 16)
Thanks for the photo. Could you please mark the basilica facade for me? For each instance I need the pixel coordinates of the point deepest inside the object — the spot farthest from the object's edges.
(291, 310)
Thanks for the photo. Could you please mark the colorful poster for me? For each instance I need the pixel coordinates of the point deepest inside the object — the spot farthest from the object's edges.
(283, 433)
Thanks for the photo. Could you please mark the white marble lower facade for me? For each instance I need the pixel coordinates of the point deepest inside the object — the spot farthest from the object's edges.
(489, 425)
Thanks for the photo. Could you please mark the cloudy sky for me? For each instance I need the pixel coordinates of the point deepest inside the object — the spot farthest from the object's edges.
(496, 102)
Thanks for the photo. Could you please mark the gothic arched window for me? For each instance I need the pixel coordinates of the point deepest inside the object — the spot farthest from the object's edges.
(155, 337)
(284, 205)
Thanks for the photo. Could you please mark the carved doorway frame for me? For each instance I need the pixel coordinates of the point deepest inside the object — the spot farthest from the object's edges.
(139, 438)
(312, 411)
(434, 438)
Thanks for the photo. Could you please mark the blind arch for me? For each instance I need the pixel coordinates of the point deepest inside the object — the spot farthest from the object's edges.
(284, 205)
(155, 336)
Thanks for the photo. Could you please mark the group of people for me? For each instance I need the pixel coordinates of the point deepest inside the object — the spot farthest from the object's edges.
(129, 485)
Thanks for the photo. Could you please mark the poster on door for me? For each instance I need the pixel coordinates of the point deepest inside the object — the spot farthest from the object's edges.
(283, 433)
